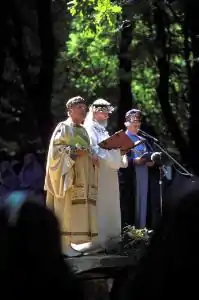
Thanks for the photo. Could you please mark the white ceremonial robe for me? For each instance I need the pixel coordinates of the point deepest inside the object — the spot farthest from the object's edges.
(108, 201)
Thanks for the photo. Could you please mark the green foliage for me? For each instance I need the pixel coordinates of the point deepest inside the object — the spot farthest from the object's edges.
(94, 68)
(179, 77)
(143, 85)
(134, 241)
(137, 234)
(93, 49)
(90, 62)
(92, 37)
(99, 12)
(144, 72)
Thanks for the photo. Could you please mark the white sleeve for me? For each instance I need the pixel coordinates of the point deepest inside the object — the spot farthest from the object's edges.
(124, 161)
(112, 158)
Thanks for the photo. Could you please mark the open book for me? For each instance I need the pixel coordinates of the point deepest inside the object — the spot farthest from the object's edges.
(119, 140)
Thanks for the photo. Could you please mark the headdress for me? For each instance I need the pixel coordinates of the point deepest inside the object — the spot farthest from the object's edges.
(74, 101)
(102, 105)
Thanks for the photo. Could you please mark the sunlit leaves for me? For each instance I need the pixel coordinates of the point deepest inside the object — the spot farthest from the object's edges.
(89, 46)
(100, 12)
(93, 68)
(145, 80)
(90, 60)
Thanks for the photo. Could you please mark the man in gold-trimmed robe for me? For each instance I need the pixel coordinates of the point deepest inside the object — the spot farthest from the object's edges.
(71, 179)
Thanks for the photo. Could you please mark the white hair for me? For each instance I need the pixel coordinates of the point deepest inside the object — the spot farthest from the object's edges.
(89, 117)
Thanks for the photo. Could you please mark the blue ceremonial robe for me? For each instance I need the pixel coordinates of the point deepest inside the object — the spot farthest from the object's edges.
(141, 182)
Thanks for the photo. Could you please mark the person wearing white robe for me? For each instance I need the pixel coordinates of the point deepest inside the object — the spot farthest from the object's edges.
(109, 162)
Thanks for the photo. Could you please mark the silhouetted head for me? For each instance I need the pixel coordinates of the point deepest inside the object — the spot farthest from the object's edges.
(33, 248)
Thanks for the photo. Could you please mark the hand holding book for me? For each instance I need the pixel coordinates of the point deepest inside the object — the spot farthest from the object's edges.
(119, 140)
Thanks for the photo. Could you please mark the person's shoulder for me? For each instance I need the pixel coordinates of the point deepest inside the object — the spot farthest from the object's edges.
(62, 127)
(67, 124)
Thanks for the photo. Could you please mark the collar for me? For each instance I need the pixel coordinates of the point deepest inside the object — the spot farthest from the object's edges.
(70, 122)
(130, 133)
(100, 128)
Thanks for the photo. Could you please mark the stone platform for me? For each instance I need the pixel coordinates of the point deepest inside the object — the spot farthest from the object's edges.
(106, 265)
(99, 272)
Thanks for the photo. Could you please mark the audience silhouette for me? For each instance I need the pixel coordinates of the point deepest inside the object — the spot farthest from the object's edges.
(31, 262)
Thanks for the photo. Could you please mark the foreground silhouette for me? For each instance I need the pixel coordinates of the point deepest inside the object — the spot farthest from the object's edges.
(170, 265)
(31, 263)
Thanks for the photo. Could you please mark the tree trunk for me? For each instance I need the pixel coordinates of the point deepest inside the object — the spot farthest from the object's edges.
(125, 65)
(192, 13)
(163, 63)
(38, 90)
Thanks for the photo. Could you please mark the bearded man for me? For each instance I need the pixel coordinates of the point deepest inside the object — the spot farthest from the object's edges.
(109, 162)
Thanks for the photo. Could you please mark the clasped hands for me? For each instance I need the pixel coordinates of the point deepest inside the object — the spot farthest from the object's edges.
(78, 153)
(81, 152)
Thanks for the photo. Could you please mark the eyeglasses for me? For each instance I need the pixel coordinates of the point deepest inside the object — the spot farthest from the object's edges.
(136, 121)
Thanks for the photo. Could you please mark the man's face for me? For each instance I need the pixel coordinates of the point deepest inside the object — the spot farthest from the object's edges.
(78, 112)
(101, 116)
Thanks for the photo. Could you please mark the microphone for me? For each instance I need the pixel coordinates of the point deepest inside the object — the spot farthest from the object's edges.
(159, 158)
(156, 156)
(147, 135)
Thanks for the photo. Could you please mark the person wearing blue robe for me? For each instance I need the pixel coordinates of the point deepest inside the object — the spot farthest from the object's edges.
(140, 165)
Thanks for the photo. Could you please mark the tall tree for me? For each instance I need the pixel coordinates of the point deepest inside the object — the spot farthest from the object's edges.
(126, 101)
(191, 19)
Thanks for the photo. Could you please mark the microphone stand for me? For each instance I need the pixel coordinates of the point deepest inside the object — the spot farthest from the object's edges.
(156, 143)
